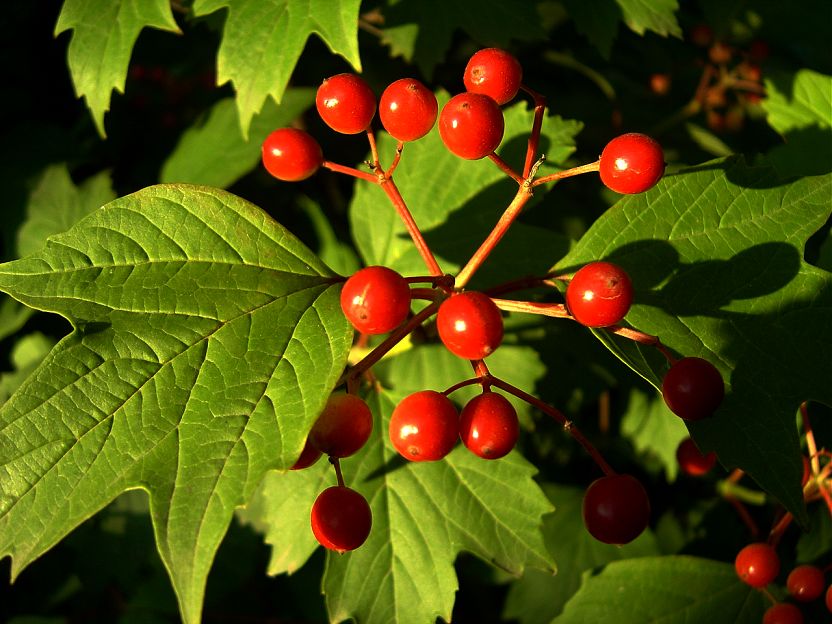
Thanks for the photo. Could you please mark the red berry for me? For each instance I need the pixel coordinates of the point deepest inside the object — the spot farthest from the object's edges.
(470, 325)
(701, 35)
(783, 613)
(693, 388)
(343, 427)
(407, 109)
(631, 163)
(757, 564)
(424, 426)
(375, 300)
(346, 103)
(488, 425)
(806, 583)
(829, 598)
(599, 294)
(495, 73)
(341, 519)
(692, 461)
(308, 456)
(660, 84)
(471, 125)
(291, 155)
(616, 509)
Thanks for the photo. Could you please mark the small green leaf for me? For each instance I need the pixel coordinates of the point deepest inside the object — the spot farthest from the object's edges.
(206, 341)
(658, 16)
(104, 34)
(664, 589)
(215, 153)
(263, 40)
(27, 353)
(597, 21)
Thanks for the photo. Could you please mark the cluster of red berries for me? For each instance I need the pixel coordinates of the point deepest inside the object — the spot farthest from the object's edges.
(758, 565)
(426, 425)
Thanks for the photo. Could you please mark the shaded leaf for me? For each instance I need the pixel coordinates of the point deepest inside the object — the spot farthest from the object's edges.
(206, 341)
(597, 21)
(658, 16)
(26, 354)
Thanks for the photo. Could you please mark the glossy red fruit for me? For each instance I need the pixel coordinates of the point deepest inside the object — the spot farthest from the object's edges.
(495, 73)
(291, 155)
(341, 519)
(470, 325)
(631, 163)
(599, 294)
(343, 427)
(471, 125)
(692, 461)
(757, 564)
(616, 509)
(308, 456)
(693, 388)
(346, 103)
(488, 425)
(806, 583)
(407, 109)
(783, 613)
(375, 300)
(424, 426)
(829, 598)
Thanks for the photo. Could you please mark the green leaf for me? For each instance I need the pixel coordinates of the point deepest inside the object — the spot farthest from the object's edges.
(490, 22)
(799, 107)
(658, 16)
(538, 597)
(338, 255)
(13, 316)
(597, 21)
(103, 38)
(56, 204)
(263, 39)
(206, 341)
(715, 254)
(215, 153)
(456, 203)
(664, 589)
(817, 541)
(26, 354)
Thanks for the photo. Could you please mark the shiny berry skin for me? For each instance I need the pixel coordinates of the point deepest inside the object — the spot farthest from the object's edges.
(616, 509)
(806, 583)
(470, 325)
(343, 427)
(783, 613)
(599, 294)
(471, 125)
(693, 388)
(692, 461)
(341, 519)
(308, 456)
(291, 155)
(424, 426)
(757, 564)
(495, 73)
(407, 109)
(829, 598)
(488, 425)
(346, 103)
(631, 163)
(375, 300)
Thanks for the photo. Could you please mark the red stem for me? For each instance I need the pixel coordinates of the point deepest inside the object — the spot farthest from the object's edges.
(640, 337)
(336, 463)
(350, 171)
(537, 124)
(396, 159)
(519, 284)
(744, 516)
(568, 173)
(462, 384)
(373, 150)
(505, 168)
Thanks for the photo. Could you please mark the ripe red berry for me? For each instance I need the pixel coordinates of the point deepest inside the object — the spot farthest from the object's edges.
(495, 73)
(757, 564)
(806, 583)
(407, 109)
(375, 300)
(424, 426)
(343, 427)
(631, 163)
(341, 519)
(471, 125)
(693, 388)
(783, 613)
(470, 325)
(829, 598)
(692, 461)
(291, 155)
(488, 425)
(308, 456)
(599, 294)
(346, 103)
(616, 509)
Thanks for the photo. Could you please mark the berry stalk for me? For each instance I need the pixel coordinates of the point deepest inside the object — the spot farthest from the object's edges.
(568, 173)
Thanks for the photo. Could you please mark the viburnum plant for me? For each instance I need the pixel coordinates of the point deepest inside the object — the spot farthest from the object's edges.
(472, 381)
